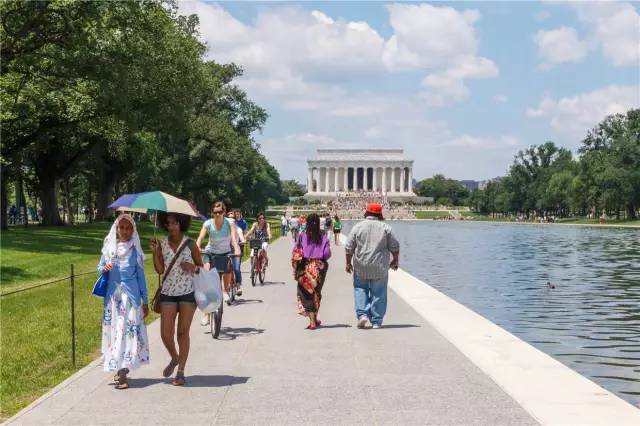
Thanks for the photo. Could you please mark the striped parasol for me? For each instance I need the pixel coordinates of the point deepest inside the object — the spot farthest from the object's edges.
(156, 201)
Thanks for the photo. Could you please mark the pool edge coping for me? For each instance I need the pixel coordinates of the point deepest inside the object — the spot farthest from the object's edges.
(548, 390)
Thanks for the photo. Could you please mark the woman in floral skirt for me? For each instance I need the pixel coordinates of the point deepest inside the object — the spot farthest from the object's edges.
(309, 258)
(125, 345)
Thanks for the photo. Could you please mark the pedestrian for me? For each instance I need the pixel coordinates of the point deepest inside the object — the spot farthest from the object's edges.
(222, 241)
(125, 345)
(284, 225)
(177, 259)
(309, 259)
(369, 246)
(337, 228)
(13, 212)
(328, 226)
(241, 225)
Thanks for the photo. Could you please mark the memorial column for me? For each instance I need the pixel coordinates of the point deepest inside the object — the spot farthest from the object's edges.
(326, 179)
(393, 179)
(384, 178)
(335, 179)
(310, 179)
(345, 177)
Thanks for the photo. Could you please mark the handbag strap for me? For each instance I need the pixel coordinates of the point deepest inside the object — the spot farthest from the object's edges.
(173, 261)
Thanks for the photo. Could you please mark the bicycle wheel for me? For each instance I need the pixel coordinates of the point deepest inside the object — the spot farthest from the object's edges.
(216, 321)
(253, 271)
(262, 271)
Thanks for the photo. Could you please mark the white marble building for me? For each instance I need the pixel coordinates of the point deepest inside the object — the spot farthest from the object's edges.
(353, 170)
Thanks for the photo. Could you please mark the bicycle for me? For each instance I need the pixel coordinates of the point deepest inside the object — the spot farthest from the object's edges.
(216, 321)
(258, 262)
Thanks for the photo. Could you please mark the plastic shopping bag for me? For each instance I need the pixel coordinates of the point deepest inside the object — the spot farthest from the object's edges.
(208, 290)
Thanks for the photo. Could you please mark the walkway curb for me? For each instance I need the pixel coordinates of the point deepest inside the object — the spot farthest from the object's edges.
(549, 391)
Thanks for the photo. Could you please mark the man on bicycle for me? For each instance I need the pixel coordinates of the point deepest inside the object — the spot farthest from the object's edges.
(261, 231)
(237, 259)
(222, 239)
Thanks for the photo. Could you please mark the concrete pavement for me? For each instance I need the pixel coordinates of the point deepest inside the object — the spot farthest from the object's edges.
(267, 369)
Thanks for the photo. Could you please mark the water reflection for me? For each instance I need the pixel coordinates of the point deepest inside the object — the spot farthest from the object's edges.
(590, 321)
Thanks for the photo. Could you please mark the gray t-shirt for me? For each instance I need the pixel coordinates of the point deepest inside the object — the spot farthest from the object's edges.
(371, 242)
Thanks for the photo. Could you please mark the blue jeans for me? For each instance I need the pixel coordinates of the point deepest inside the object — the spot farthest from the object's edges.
(370, 298)
(236, 270)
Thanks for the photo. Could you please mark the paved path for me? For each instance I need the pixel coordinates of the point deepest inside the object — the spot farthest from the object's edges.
(267, 369)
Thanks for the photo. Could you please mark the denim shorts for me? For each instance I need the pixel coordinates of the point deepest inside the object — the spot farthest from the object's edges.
(183, 298)
(219, 261)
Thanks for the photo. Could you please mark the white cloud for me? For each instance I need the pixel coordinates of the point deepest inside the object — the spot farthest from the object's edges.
(468, 141)
(574, 116)
(302, 57)
(501, 99)
(558, 46)
(441, 40)
(448, 86)
(614, 28)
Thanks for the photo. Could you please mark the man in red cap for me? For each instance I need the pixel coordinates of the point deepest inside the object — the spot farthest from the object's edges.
(369, 248)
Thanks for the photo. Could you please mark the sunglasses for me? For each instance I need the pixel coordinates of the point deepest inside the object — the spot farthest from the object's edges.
(218, 212)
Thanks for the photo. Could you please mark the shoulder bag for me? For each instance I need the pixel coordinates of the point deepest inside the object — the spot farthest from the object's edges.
(155, 302)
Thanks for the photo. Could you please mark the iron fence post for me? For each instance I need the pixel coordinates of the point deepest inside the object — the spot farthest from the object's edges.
(73, 316)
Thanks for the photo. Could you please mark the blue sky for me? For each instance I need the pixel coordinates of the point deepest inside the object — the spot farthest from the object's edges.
(460, 86)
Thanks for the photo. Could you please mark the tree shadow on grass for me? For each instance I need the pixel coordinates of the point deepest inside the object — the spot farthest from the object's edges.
(12, 273)
(195, 381)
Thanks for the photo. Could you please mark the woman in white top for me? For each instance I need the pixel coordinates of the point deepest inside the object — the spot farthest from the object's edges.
(177, 298)
(223, 240)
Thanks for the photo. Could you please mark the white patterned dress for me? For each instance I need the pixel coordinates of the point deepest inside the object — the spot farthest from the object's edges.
(124, 336)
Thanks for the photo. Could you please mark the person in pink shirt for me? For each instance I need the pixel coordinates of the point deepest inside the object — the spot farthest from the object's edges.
(310, 255)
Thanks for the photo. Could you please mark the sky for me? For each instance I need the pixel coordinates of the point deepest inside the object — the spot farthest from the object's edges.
(460, 86)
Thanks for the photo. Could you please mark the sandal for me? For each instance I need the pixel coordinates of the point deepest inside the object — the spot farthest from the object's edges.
(168, 370)
(123, 383)
(179, 379)
(116, 377)
(311, 327)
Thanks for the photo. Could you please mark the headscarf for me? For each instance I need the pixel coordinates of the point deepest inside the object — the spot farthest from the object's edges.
(113, 250)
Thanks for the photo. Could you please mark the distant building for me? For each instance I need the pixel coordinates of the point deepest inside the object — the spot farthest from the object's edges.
(471, 185)
(483, 183)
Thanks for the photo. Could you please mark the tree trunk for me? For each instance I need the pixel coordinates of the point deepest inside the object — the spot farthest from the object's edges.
(631, 212)
(104, 196)
(67, 201)
(50, 214)
(4, 225)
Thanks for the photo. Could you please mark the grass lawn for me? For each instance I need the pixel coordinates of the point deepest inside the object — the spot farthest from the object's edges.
(432, 214)
(35, 325)
(582, 221)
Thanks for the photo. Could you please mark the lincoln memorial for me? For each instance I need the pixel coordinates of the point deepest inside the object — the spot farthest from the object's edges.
(354, 170)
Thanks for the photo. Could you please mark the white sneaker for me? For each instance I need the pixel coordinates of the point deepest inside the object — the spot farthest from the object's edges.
(362, 322)
(376, 326)
(205, 320)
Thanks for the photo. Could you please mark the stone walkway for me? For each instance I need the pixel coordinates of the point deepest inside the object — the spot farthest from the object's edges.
(267, 369)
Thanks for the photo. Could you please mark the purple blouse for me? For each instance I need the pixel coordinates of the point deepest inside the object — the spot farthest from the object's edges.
(321, 250)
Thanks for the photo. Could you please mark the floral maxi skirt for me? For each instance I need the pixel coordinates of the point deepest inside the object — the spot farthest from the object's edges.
(124, 335)
(310, 274)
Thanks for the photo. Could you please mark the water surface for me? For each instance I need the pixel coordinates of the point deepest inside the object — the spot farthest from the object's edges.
(590, 321)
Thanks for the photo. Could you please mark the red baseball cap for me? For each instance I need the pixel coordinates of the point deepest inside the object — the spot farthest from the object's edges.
(375, 208)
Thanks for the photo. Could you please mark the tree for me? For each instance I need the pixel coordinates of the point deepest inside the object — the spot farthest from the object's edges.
(441, 188)
(291, 188)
